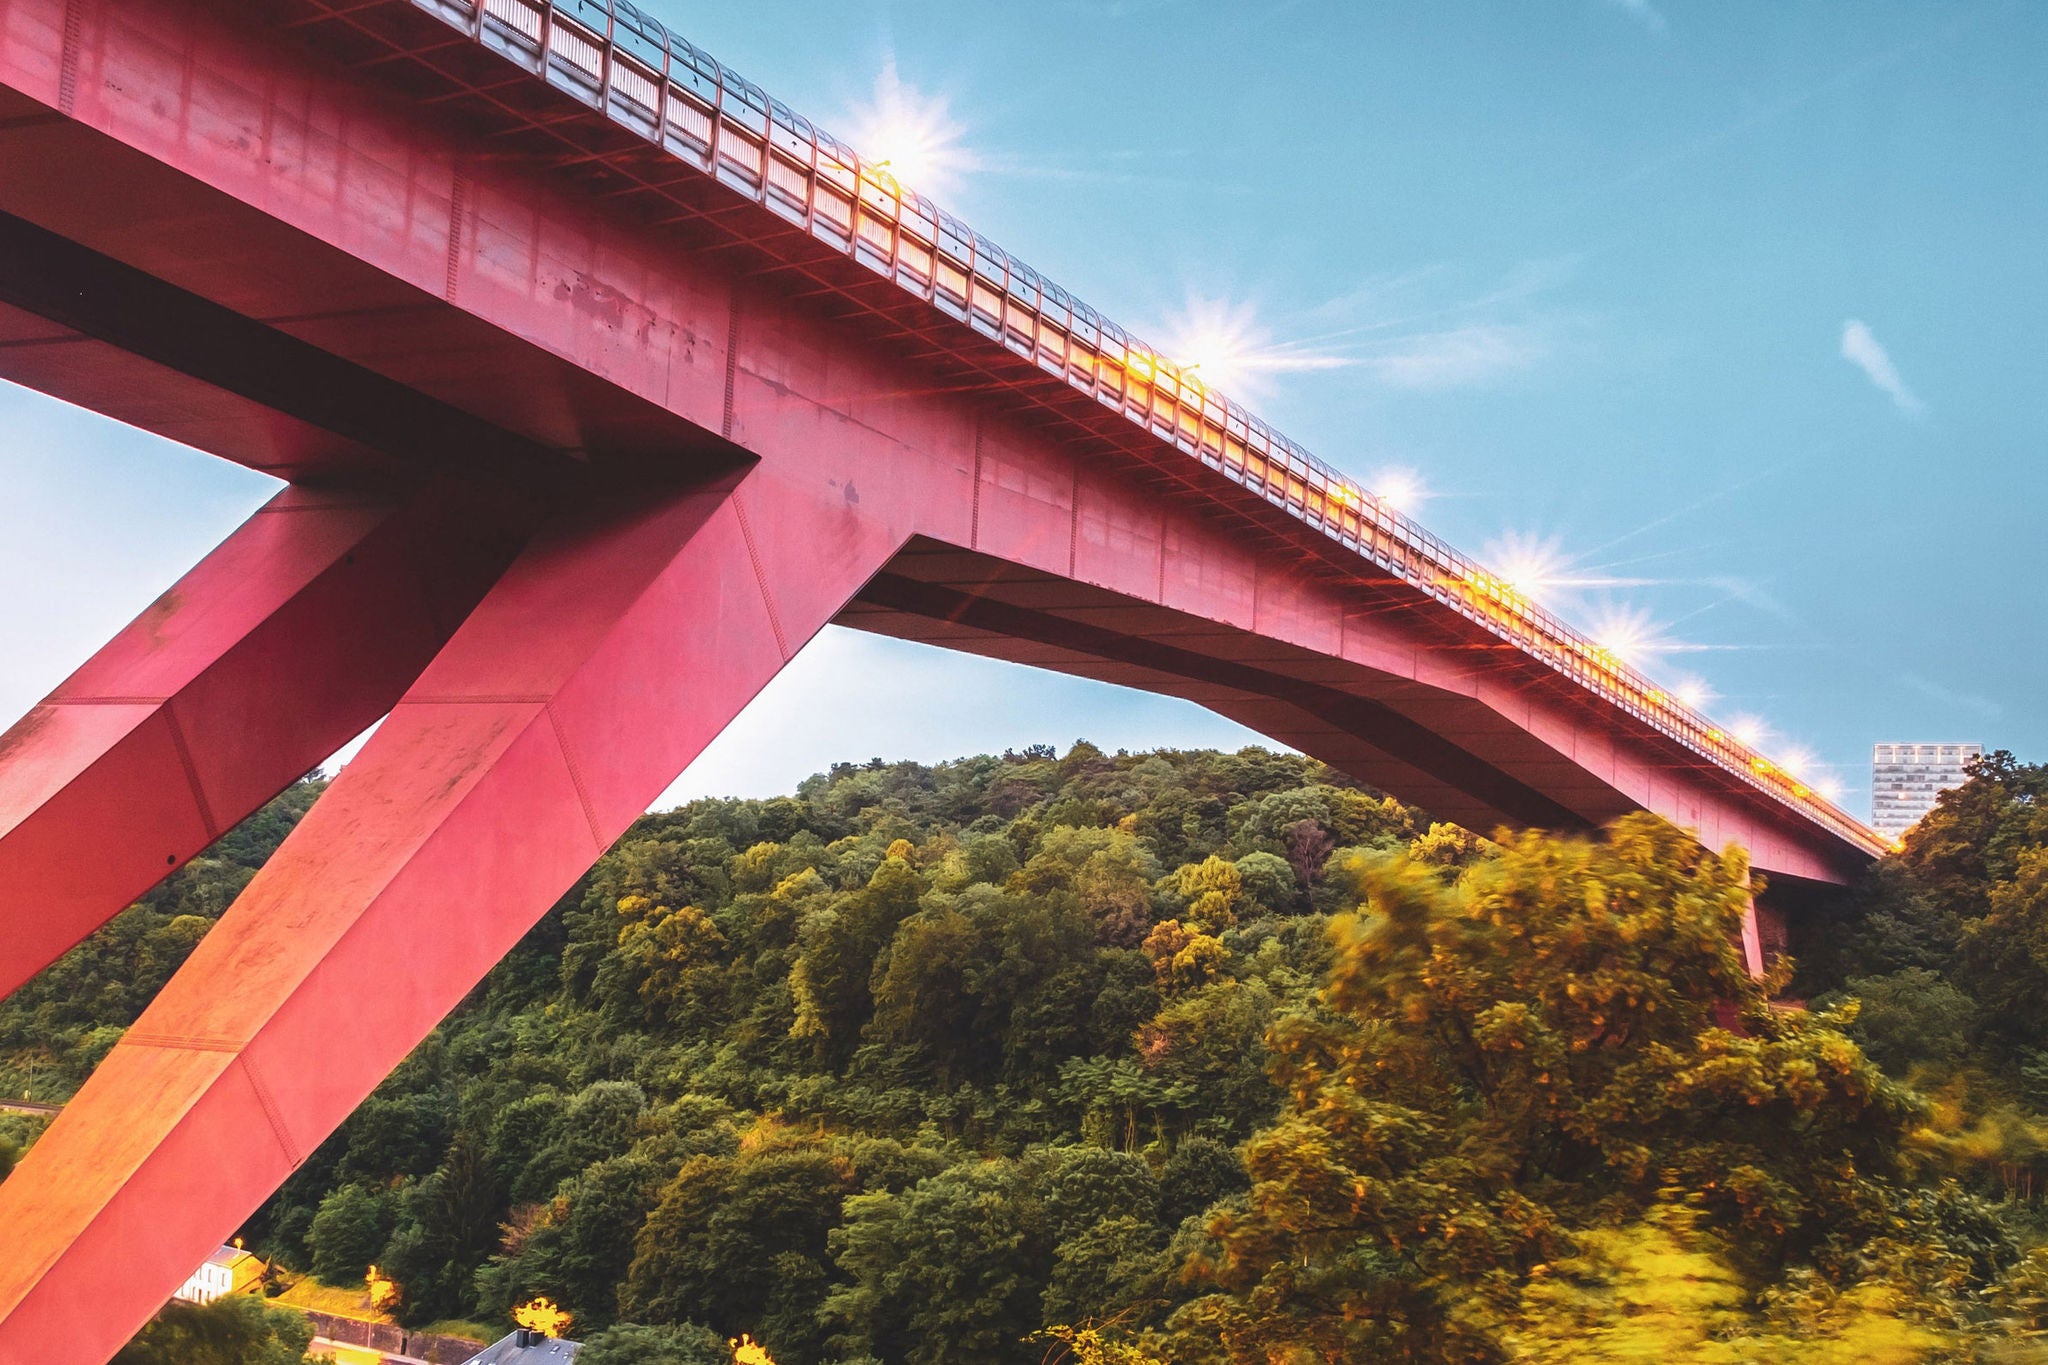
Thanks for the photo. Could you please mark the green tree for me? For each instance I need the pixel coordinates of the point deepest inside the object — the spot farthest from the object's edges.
(1911, 1018)
(1208, 1049)
(1891, 924)
(1497, 1063)
(1113, 1268)
(580, 1248)
(1213, 892)
(2005, 951)
(949, 1272)
(926, 996)
(668, 1344)
(1270, 883)
(671, 960)
(1090, 1346)
(1976, 834)
(238, 1329)
(596, 1123)
(447, 1224)
(738, 1242)
(837, 955)
(1089, 1186)
(1115, 887)
(349, 1232)
(1200, 1172)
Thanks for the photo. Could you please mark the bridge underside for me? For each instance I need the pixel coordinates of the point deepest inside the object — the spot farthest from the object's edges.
(565, 487)
(1418, 741)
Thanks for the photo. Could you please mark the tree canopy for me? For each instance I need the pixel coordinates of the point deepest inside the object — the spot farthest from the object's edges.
(1179, 1056)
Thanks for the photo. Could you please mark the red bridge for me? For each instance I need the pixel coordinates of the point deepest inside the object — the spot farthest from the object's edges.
(599, 383)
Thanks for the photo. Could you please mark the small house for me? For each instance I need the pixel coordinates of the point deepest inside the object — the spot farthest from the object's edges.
(228, 1271)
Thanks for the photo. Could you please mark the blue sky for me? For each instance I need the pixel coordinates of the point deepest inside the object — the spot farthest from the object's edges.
(1729, 317)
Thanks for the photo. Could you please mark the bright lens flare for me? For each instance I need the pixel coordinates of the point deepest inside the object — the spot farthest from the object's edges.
(1830, 789)
(1748, 731)
(1795, 761)
(1627, 635)
(1226, 347)
(1215, 344)
(910, 136)
(1692, 693)
(1400, 489)
(1526, 564)
(1622, 644)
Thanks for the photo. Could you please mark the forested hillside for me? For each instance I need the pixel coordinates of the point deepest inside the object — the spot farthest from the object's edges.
(1215, 1053)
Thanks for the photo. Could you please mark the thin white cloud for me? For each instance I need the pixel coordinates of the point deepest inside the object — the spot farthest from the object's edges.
(1982, 707)
(1457, 358)
(1750, 593)
(1432, 296)
(1861, 349)
(1430, 329)
(1643, 10)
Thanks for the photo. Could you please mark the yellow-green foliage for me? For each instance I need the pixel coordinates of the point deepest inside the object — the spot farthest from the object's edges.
(1660, 1291)
(1501, 1067)
(1069, 1040)
(1088, 1346)
(1214, 891)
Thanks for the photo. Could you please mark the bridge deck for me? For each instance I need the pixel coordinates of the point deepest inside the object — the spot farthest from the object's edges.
(589, 427)
(426, 261)
(668, 123)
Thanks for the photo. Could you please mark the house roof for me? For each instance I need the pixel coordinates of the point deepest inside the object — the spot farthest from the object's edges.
(230, 1257)
(525, 1348)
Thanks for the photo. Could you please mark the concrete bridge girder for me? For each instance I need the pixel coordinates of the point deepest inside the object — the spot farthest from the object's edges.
(568, 488)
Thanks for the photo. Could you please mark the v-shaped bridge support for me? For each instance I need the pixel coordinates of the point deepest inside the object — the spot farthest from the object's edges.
(622, 639)
(284, 643)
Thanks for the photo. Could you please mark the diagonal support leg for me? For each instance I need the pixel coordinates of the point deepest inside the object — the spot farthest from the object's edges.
(1753, 943)
(610, 654)
(284, 643)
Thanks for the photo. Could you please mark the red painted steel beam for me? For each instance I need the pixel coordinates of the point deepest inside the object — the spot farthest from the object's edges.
(283, 644)
(382, 426)
(622, 640)
(266, 209)
(1495, 796)
(489, 274)
(1751, 939)
(1110, 586)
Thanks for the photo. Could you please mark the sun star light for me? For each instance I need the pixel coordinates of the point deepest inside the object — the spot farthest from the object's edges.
(1226, 347)
(1627, 634)
(1526, 564)
(910, 137)
(1692, 693)
(1399, 489)
(1214, 343)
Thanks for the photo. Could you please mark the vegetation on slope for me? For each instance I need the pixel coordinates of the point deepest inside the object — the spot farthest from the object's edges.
(1185, 1056)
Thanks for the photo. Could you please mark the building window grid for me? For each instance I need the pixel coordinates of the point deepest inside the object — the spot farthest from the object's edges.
(1906, 780)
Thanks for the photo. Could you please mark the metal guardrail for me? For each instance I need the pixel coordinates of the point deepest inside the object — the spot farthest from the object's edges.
(627, 66)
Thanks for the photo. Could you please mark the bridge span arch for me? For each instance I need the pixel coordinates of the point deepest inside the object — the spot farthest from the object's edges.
(588, 421)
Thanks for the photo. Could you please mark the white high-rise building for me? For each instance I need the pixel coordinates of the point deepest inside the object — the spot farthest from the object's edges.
(1906, 778)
